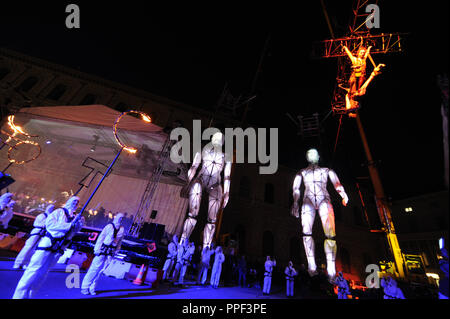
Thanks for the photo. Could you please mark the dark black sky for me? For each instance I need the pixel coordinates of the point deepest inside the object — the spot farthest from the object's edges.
(189, 53)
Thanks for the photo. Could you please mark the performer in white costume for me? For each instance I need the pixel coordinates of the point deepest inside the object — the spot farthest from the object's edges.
(217, 267)
(182, 247)
(290, 273)
(342, 284)
(6, 210)
(58, 225)
(23, 258)
(208, 178)
(315, 198)
(268, 266)
(171, 257)
(108, 243)
(186, 260)
(204, 264)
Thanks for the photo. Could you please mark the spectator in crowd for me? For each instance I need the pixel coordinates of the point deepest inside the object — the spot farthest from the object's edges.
(242, 268)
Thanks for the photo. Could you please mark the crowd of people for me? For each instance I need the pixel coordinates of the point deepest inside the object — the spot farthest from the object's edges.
(53, 227)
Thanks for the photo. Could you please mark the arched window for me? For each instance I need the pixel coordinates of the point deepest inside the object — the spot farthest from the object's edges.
(28, 84)
(267, 244)
(244, 187)
(4, 72)
(57, 92)
(295, 246)
(89, 99)
(345, 260)
(269, 193)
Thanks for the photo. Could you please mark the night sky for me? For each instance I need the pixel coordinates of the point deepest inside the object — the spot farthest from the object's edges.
(189, 53)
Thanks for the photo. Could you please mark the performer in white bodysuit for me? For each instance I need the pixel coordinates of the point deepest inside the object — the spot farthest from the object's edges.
(208, 179)
(315, 198)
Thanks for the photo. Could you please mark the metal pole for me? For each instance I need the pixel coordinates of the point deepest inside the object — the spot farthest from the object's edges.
(382, 205)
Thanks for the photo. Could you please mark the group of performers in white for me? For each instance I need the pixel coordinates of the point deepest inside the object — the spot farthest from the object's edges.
(51, 229)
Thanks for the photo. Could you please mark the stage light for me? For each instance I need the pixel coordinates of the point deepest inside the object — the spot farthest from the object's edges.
(48, 142)
(433, 275)
(93, 148)
(408, 209)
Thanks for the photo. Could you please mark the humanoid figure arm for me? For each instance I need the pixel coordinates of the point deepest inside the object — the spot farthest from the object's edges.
(296, 194)
(226, 183)
(367, 52)
(350, 55)
(338, 186)
(195, 163)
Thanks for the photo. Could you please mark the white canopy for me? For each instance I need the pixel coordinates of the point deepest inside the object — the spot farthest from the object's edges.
(71, 136)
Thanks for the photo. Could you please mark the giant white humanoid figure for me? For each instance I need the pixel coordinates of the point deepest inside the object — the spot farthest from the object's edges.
(208, 178)
(315, 198)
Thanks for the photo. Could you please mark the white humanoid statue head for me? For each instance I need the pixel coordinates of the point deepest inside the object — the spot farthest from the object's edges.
(312, 156)
(118, 219)
(72, 203)
(217, 139)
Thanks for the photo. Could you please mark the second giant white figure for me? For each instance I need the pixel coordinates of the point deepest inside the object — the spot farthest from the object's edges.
(315, 198)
